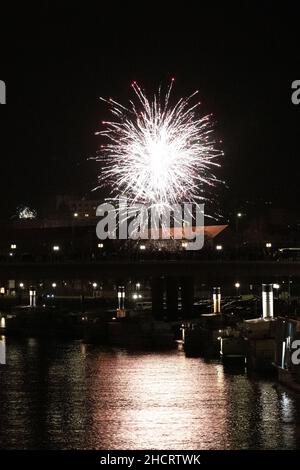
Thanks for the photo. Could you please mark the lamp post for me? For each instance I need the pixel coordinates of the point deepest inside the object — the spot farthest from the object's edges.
(55, 252)
(289, 291)
(94, 285)
(239, 215)
(239, 236)
(276, 287)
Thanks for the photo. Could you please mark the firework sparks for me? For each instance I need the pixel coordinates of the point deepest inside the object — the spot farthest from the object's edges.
(156, 153)
(25, 212)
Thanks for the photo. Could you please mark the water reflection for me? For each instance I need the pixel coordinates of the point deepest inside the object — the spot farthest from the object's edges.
(2, 350)
(60, 395)
(152, 401)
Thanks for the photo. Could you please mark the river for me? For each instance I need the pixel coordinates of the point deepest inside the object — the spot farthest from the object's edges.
(68, 395)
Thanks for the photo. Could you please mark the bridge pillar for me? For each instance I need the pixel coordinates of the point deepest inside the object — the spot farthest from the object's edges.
(217, 300)
(187, 296)
(172, 298)
(121, 302)
(157, 288)
(32, 297)
(267, 300)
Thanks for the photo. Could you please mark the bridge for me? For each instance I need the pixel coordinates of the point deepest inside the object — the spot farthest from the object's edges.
(165, 276)
(206, 270)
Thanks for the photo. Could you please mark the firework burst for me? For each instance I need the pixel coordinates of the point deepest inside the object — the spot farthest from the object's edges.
(157, 153)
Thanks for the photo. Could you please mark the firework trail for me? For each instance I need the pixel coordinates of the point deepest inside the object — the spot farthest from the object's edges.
(156, 153)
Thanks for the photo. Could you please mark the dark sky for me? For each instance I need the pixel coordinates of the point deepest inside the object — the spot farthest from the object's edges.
(57, 60)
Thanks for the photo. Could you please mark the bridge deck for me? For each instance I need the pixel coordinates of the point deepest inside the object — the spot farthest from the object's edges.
(207, 270)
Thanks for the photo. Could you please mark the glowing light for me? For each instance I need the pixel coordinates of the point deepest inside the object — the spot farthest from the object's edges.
(158, 153)
(26, 213)
(95, 285)
(239, 214)
(54, 285)
(75, 214)
(276, 286)
(219, 247)
(237, 285)
(56, 248)
(100, 245)
(13, 246)
(2, 322)
(268, 245)
(267, 301)
(142, 247)
(21, 285)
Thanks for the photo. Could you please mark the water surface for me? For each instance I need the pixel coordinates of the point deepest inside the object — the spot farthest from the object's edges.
(67, 395)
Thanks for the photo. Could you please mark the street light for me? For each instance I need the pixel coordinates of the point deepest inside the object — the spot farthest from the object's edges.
(95, 285)
(268, 245)
(219, 247)
(237, 285)
(75, 214)
(276, 287)
(56, 248)
(54, 285)
(21, 285)
(239, 215)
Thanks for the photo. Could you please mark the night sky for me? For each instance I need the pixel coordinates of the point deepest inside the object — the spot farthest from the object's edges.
(57, 60)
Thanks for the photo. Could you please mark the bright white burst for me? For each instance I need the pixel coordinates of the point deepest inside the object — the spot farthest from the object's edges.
(25, 212)
(158, 153)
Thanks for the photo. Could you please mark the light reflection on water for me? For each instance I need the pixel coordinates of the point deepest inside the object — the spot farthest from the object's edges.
(61, 395)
